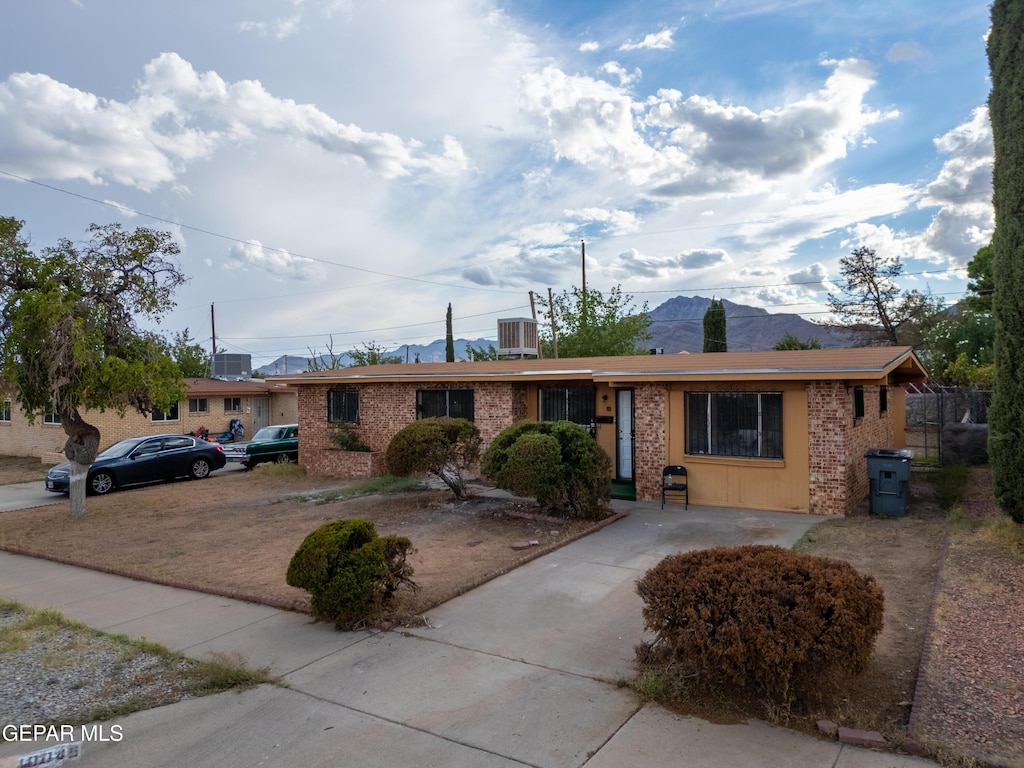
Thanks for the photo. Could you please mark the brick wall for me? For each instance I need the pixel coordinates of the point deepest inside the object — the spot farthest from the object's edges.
(386, 408)
(649, 443)
(837, 443)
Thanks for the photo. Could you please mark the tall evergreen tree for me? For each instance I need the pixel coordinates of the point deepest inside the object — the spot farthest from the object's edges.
(714, 327)
(1006, 110)
(449, 338)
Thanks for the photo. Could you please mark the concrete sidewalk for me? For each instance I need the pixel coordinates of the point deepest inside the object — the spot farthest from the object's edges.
(519, 672)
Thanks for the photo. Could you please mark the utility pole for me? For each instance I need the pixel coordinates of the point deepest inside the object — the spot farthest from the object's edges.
(583, 267)
(213, 332)
(533, 312)
(554, 336)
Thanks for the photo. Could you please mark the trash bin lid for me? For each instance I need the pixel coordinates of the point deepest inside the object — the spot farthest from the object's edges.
(889, 453)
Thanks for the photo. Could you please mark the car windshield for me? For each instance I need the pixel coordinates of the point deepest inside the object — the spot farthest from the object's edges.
(269, 433)
(122, 448)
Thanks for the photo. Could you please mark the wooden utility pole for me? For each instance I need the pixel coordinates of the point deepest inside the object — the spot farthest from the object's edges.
(213, 332)
(583, 267)
(554, 336)
(533, 312)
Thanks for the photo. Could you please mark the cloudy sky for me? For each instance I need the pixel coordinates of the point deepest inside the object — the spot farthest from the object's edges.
(344, 169)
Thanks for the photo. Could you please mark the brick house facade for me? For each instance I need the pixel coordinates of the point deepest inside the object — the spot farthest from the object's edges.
(210, 403)
(829, 406)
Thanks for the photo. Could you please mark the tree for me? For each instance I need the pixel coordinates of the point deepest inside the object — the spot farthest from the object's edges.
(443, 446)
(981, 285)
(328, 361)
(192, 359)
(371, 354)
(714, 327)
(873, 306)
(478, 354)
(789, 342)
(69, 341)
(449, 339)
(1006, 110)
(594, 325)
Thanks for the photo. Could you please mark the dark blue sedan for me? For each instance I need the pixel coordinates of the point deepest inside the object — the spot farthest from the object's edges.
(143, 460)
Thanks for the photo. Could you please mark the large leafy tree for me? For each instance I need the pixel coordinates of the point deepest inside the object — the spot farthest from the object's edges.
(1006, 110)
(592, 324)
(714, 327)
(192, 359)
(372, 354)
(69, 339)
(871, 304)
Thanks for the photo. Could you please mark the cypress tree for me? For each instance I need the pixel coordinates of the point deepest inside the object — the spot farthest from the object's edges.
(714, 327)
(1006, 111)
(449, 339)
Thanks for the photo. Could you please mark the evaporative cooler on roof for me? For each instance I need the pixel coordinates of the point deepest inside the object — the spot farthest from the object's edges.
(517, 337)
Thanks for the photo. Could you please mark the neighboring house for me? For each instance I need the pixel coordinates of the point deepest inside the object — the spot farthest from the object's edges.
(210, 403)
(759, 430)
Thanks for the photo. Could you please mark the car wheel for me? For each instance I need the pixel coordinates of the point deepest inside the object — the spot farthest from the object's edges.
(101, 483)
(283, 458)
(200, 468)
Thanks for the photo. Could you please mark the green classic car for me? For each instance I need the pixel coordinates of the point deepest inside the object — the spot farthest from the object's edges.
(278, 443)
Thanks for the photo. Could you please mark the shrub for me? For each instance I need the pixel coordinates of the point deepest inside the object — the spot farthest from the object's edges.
(346, 439)
(349, 571)
(782, 622)
(442, 446)
(557, 462)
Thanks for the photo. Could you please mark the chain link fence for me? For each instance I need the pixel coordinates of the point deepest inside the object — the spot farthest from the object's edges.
(930, 407)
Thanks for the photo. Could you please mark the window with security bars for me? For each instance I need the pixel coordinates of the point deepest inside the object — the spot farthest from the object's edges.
(455, 403)
(575, 404)
(745, 424)
(343, 406)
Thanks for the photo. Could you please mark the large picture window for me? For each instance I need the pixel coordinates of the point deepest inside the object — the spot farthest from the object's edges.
(456, 403)
(575, 404)
(343, 406)
(734, 424)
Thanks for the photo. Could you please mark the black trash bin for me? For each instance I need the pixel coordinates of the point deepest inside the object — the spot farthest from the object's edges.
(889, 478)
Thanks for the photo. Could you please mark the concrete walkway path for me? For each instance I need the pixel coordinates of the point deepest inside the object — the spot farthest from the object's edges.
(522, 671)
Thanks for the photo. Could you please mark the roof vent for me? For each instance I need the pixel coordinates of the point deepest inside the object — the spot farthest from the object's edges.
(231, 367)
(517, 337)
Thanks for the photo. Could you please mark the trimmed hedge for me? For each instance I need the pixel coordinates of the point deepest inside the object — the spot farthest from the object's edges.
(780, 621)
(350, 572)
(557, 462)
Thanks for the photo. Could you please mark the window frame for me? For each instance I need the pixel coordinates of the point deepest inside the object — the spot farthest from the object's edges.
(202, 405)
(718, 424)
(6, 409)
(579, 405)
(158, 416)
(229, 403)
(883, 399)
(458, 403)
(342, 400)
(858, 402)
(52, 418)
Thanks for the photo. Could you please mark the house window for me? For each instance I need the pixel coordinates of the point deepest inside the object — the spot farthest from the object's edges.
(5, 411)
(232, 405)
(734, 424)
(343, 406)
(51, 418)
(456, 403)
(883, 399)
(171, 415)
(858, 402)
(575, 404)
(198, 405)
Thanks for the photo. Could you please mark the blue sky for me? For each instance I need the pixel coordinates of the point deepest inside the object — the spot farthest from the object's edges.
(339, 171)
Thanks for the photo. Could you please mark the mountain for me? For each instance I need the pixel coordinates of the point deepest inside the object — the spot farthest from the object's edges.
(434, 352)
(678, 326)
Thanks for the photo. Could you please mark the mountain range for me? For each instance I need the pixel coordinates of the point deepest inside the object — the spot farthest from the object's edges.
(677, 325)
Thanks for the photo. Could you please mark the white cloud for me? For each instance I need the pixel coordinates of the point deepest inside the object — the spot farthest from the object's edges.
(177, 117)
(656, 41)
(589, 46)
(276, 261)
(904, 51)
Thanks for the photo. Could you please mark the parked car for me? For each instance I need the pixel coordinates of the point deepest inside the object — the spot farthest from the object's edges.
(278, 443)
(142, 460)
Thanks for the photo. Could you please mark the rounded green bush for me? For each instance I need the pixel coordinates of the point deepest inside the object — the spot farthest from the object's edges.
(572, 482)
(442, 446)
(350, 572)
(781, 621)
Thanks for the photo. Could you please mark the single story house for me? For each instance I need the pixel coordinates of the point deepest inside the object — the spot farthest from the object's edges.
(210, 403)
(780, 430)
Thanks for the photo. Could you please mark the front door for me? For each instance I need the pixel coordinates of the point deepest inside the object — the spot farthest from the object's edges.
(260, 413)
(624, 434)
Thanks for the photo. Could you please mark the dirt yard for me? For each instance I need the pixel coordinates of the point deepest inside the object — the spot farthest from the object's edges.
(235, 534)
